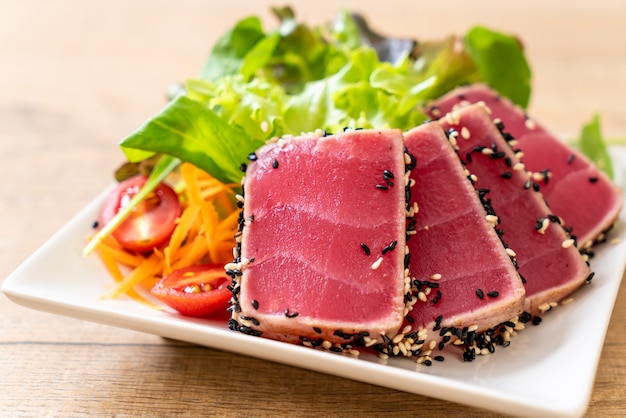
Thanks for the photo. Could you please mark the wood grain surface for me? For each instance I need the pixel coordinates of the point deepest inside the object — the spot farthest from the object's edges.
(77, 76)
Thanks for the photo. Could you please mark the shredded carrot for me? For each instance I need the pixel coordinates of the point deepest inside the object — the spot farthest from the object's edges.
(204, 233)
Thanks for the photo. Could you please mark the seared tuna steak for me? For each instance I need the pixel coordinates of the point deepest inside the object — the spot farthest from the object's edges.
(563, 173)
(455, 249)
(547, 256)
(321, 254)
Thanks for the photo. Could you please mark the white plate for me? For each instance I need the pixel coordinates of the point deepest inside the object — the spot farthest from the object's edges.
(543, 372)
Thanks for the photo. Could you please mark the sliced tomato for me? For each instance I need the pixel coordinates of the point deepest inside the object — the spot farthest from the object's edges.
(151, 223)
(195, 291)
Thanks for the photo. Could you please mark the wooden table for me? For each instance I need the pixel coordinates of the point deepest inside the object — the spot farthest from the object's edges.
(75, 77)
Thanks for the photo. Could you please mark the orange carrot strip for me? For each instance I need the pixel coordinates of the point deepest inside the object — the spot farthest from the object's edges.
(149, 268)
(121, 256)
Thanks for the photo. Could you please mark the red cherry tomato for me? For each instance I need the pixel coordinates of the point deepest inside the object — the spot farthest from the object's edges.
(195, 291)
(151, 223)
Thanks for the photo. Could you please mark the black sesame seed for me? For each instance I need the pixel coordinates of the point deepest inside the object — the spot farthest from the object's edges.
(243, 167)
(480, 293)
(571, 158)
(493, 294)
(390, 247)
(524, 317)
(468, 157)
(506, 175)
(508, 162)
(539, 224)
(536, 320)
(365, 249)
(527, 184)
(290, 315)
(593, 179)
(536, 187)
(387, 175)
(382, 187)
(95, 224)
(590, 277)
(407, 259)
(255, 304)
(252, 156)
(275, 164)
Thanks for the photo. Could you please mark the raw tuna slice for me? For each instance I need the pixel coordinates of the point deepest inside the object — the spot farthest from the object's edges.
(323, 240)
(455, 248)
(563, 173)
(548, 259)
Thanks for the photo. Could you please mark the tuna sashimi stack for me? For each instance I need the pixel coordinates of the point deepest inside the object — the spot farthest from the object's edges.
(321, 255)
(563, 173)
(548, 259)
(371, 239)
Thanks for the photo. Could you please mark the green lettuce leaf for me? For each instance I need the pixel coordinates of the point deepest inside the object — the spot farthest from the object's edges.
(591, 142)
(297, 78)
(228, 54)
(190, 131)
(501, 62)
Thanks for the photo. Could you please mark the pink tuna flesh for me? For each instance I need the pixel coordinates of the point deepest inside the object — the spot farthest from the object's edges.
(315, 206)
(570, 173)
(550, 270)
(454, 240)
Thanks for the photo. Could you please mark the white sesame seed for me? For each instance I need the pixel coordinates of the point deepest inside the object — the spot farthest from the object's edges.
(518, 166)
(465, 133)
(567, 243)
(538, 176)
(377, 263)
(530, 124)
(510, 252)
(567, 301)
(616, 241)
(435, 276)
(487, 151)
(398, 338)
(484, 106)
(492, 219)
(544, 307)
(406, 329)
(405, 352)
(422, 296)
(472, 328)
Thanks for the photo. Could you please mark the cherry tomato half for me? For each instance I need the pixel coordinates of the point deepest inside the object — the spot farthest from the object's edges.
(151, 223)
(195, 291)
